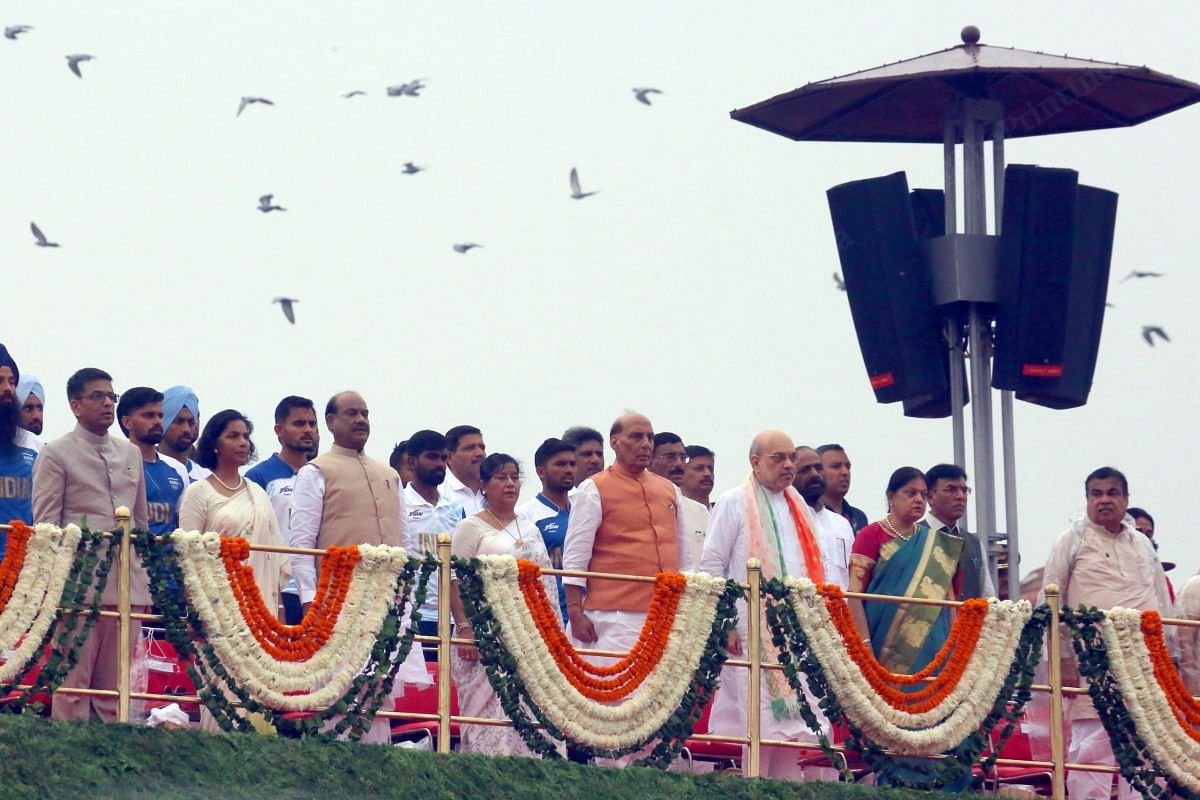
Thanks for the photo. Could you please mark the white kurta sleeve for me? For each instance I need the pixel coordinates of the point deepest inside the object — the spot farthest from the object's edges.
(683, 537)
(308, 499)
(408, 536)
(724, 526)
(581, 530)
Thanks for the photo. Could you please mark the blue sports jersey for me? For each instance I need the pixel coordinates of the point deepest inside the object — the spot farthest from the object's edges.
(552, 522)
(164, 488)
(16, 482)
(272, 469)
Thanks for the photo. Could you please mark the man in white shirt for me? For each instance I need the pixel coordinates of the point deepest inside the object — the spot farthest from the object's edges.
(669, 461)
(589, 451)
(834, 532)
(467, 452)
(698, 474)
(948, 493)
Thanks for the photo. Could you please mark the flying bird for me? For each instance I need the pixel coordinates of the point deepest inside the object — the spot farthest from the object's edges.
(354, 93)
(1150, 331)
(410, 89)
(286, 304)
(576, 192)
(412, 169)
(465, 246)
(640, 94)
(42, 241)
(248, 100)
(13, 31)
(1137, 274)
(838, 283)
(74, 61)
(265, 206)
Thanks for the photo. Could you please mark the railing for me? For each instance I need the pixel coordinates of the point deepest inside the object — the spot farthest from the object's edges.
(444, 639)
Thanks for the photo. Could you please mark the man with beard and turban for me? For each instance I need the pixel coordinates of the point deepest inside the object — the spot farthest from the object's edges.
(833, 531)
(18, 450)
(181, 416)
(31, 397)
(764, 518)
(430, 512)
(140, 417)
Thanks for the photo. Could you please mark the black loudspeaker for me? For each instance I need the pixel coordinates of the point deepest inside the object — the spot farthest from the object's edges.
(899, 330)
(1055, 251)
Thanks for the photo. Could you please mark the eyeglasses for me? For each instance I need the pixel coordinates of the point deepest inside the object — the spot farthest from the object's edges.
(98, 397)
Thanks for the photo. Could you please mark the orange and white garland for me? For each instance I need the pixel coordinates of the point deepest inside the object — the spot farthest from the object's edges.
(973, 666)
(616, 705)
(32, 576)
(1166, 716)
(289, 667)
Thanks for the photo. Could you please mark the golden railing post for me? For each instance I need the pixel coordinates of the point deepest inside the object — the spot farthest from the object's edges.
(123, 654)
(1056, 696)
(443, 620)
(754, 651)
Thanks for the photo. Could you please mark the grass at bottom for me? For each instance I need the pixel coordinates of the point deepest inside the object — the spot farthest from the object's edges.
(42, 759)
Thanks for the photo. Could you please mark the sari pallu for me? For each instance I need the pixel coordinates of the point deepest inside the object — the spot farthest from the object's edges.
(906, 637)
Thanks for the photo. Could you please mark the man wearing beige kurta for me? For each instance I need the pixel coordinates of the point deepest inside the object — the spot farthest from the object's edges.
(1102, 561)
(88, 474)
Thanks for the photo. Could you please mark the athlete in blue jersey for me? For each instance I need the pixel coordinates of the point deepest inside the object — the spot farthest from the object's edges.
(18, 451)
(140, 416)
(555, 464)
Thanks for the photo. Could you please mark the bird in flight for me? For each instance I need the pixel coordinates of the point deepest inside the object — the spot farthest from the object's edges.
(74, 61)
(1150, 331)
(465, 246)
(248, 100)
(576, 192)
(42, 241)
(838, 283)
(410, 89)
(354, 93)
(287, 303)
(265, 206)
(641, 95)
(1137, 274)
(13, 31)
(412, 169)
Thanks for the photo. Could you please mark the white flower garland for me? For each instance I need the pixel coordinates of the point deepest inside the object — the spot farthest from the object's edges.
(33, 606)
(325, 677)
(587, 721)
(929, 732)
(1149, 707)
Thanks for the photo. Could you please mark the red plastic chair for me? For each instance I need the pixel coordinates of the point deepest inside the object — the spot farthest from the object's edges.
(166, 673)
(29, 677)
(723, 754)
(423, 701)
(1018, 747)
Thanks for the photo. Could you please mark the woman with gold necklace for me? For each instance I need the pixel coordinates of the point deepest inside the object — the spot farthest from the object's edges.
(496, 530)
(901, 556)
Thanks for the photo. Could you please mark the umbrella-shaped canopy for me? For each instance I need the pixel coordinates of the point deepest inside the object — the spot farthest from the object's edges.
(907, 101)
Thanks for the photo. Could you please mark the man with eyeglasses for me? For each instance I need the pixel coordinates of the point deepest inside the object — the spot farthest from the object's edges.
(668, 460)
(948, 493)
(1102, 560)
(89, 474)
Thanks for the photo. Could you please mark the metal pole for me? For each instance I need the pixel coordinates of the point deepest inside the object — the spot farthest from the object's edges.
(1057, 755)
(123, 622)
(754, 695)
(443, 620)
(953, 336)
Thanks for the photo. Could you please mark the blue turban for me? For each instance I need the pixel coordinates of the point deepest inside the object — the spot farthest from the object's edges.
(175, 400)
(29, 384)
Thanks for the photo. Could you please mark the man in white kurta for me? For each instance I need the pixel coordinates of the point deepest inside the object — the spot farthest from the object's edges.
(726, 549)
(832, 530)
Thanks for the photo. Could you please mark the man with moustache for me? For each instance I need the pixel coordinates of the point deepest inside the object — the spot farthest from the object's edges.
(837, 485)
(589, 452)
(467, 452)
(344, 497)
(181, 413)
(140, 417)
(764, 518)
(31, 397)
(18, 450)
(948, 493)
(1102, 560)
(550, 511)
(89, 474)
(832, 530)
(698, 474)
(668, 461)
(296, 430)
(430, 512)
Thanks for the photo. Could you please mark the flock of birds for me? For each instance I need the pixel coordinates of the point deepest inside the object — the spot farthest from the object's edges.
(266, 202)
(1149, 332)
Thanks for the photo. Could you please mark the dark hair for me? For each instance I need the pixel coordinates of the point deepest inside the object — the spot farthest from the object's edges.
(1103, 474)
(82, 378)
(458, 432)
(288, 403)
(698, 451)
(549, 449)
(944, 472)
(826, 448)
(133, 399)
(666, 437)
(902, 476)
(494, 463)
(424, 441)
(206, 445)
(396, 459)
(579, 434)
(1140, 512)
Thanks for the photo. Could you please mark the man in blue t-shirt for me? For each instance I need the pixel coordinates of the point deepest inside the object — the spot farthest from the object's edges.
(18, 451)
(554, 461)
(140, 415)
(296, 429)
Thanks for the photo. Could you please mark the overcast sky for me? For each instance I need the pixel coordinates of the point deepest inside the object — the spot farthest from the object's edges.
(695, 287)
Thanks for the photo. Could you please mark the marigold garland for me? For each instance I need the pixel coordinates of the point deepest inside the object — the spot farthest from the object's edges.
(14, 559)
